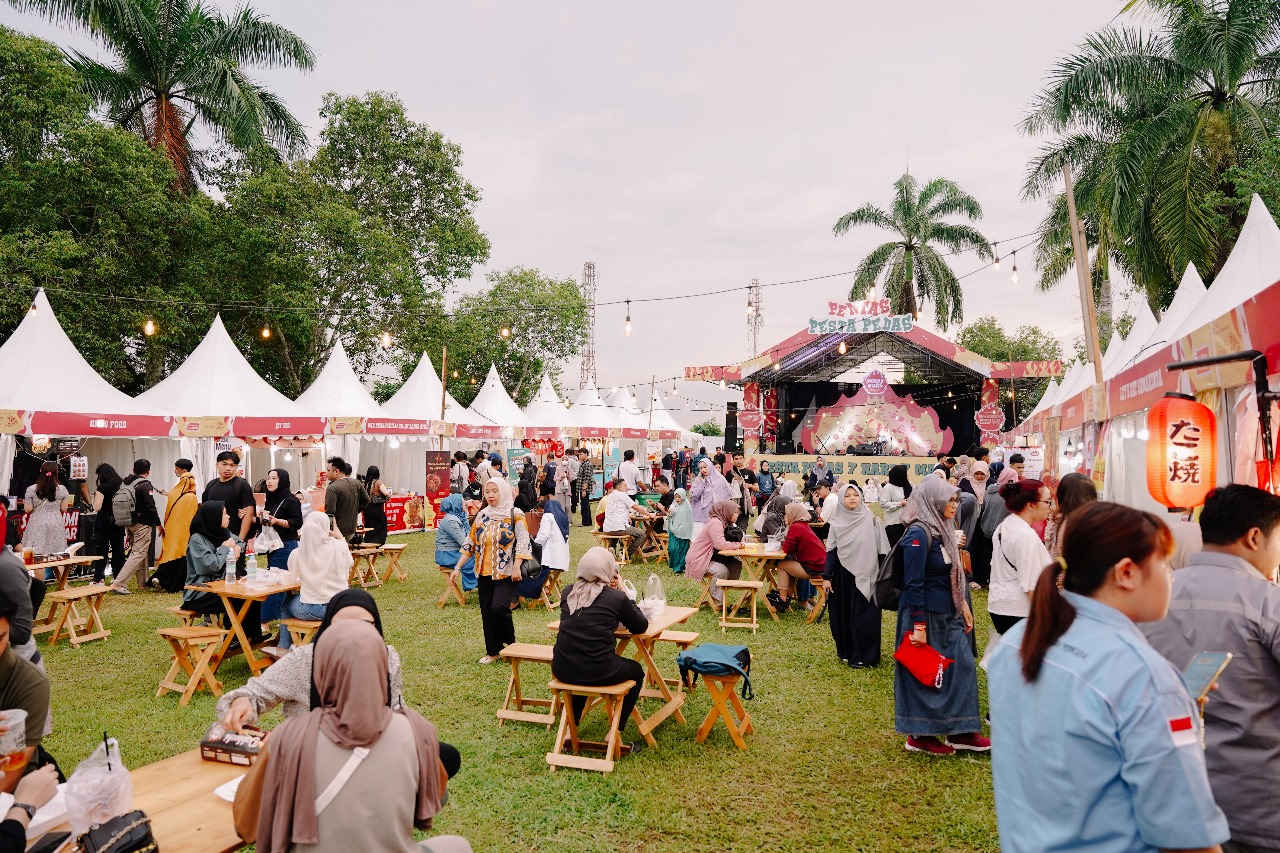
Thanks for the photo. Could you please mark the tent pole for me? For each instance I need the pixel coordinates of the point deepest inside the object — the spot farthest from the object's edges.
(444, 372)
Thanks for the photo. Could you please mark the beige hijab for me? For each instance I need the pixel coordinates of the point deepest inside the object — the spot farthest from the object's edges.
(596, 571)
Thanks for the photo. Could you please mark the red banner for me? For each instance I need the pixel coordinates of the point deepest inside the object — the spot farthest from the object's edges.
(404, 514)
(438, 463)
(70, 520)
(80, 424)
(255, 427)
(376, 426)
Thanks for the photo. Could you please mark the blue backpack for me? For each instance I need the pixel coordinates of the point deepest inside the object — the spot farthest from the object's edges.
(715, 659)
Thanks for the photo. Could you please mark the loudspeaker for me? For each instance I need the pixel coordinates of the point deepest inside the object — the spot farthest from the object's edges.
(732, 444)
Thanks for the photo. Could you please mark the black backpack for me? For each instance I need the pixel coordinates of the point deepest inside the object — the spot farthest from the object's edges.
(887, 592)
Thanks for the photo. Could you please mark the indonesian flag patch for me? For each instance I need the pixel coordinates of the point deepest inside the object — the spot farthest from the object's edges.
(1183, 731)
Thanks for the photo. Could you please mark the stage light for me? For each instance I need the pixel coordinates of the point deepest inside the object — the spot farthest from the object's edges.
(843, 348)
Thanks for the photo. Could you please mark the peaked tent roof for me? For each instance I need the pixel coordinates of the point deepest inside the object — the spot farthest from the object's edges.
(1047, 398)
(495, 405)
(589, 410)
(338, 392)
(1252, 267)
(1135, 345)
(1190, 294)
(39, 345)
(419, 397)
(546, 409)
(1114, 346)
(662, 419)
(627, 410)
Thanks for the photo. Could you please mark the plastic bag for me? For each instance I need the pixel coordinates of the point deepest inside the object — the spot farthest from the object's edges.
(654, 595)
(99, 789)
(629, 589)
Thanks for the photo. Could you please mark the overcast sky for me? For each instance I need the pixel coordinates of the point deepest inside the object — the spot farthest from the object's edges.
(692, 146)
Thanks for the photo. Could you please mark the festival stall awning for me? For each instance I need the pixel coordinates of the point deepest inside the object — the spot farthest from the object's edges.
(595, 419)
(635, 425)
(47, 388)
(494, 405)
(662, 421)
(419, 399)
(215, 392)
(346, 405)
(546, 415)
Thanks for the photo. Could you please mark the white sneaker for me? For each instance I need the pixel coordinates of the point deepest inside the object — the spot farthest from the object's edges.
(489, 659)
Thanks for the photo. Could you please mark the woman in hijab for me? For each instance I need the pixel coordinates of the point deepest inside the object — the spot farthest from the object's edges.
(773, 520)
(893, 498)
(553, 539)
(788, 489)
(322, 564)
(708, 488)
(451, 532)
(805, 552)
(210, 547)
(767, 483)
(171, 565)
(977, 543)
(282, 513)
(351, 774)
(679, 531)
(287, 682)
(527, 489)
(585, 651)
(856, 546)
(499, 541)
(934, 611)
(704, 554)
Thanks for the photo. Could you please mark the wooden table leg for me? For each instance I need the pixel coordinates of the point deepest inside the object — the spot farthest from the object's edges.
(98, 631)
(236, 618)
(393, 567)
(671, 701)
(68, 611)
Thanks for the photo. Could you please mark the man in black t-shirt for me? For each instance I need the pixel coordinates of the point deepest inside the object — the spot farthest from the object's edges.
(237, 497)
(663, 486)
(748, 489)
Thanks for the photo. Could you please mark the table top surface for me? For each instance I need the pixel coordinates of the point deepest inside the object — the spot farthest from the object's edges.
(74, 560)
(671, 616)
(244, 589)
(753, 552)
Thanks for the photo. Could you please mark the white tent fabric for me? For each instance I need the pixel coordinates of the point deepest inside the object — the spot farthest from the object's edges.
(217, 380)
(626, 409)
(419, 398)
(546, 409)
(1134, 350)
(1253, 266)
(1112, 352)
(1047, 398)
(338, 392)
(495, 405)
(1190, 293)
(44, 372)
(590, 411)
(662, 419)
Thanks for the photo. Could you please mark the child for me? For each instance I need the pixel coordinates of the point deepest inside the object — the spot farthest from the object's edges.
(679, 531)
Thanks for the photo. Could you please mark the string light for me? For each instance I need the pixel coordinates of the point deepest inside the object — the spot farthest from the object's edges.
(149, 327)
(843, 348)
(266, 332)
(288, 456)
(506, 331)
(627, 328)
(722, 383)
(394, 443)
(1014, 277)
(473, 380)
(455, 374)
(995, 248)
(386, 340)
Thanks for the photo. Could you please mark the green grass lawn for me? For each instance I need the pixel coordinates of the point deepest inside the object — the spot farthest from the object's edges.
(825, 769)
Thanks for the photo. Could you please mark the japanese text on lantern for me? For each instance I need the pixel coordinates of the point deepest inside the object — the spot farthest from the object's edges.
(1184, 452)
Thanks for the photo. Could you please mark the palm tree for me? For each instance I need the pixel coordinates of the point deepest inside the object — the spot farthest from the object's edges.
(179, 62)
(1152, 120)
(917, 270)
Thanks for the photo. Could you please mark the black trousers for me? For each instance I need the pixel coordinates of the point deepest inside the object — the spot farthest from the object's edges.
(588, 520)
(625, 669)
(495, 613)
(110, 543)
(1004, 623)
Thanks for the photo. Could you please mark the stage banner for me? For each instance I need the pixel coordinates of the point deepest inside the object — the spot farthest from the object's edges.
(405, 514)
(438, 462)
(796, 467)
(990, 416)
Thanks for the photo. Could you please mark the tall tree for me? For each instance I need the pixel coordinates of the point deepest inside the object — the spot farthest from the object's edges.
(988, 338)
(916, 269)
(1152, 122)
(178, 61)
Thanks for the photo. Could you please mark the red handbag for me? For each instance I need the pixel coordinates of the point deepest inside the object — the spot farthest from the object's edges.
(924, 662)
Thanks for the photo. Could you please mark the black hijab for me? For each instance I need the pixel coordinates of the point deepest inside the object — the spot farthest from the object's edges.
(283, 490)
(346, 598)
(208, 522)
(898, 477)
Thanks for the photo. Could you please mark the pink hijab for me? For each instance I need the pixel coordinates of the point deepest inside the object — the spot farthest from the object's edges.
(1008, 475)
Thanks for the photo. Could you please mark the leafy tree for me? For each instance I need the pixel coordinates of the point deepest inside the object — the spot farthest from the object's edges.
(179, 61)
(1152, 122)
(708, 428)
(916, 269)
(988, 338)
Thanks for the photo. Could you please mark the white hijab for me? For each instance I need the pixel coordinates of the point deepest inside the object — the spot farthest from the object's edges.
(317, 551)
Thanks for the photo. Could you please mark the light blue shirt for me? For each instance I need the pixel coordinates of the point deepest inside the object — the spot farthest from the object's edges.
(1102, 753)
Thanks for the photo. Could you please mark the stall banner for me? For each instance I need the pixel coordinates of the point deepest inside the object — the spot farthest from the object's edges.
(344, 426)
(11, 422)
(98, 425)
(252, 427)
(1032, 458)
(79, 466)
(405, 514)
(1052, 430)
(375, 426)
(438, 463)
(796, 467)
(208, 426)
(990, 417)
(514, 455)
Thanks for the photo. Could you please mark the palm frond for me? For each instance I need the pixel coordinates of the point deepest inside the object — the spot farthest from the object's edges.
(868, 214)
(871, 267)
(960, 238)
(249, 39)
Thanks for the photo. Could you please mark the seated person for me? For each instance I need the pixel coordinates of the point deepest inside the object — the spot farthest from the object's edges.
(303, 792)
(608, 490)
(208, 550)
(287, 682)
(322, 564)
(773, 520)
(618, 511)
(806, 556)
(585, 651)
(35, 790)
(451, 531)
(704, 554)
(663, 508)
(22, 686)
(16, 585)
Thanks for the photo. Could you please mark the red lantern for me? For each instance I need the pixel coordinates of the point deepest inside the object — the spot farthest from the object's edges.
(1182, 451)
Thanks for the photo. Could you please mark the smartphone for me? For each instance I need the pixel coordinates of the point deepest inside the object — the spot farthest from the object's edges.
(51, 842)
(1204, 669)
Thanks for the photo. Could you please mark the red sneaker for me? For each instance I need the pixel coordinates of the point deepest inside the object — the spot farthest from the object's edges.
(930, 745)
(972, 742)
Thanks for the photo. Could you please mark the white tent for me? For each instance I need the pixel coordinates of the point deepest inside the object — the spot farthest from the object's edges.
(590, 412)
(1112, 352)
(419, 398)
(546, 409)
(1134, 349)
(1047, 398)
(1190, 294)
(495, 405)
(627, 411)
(338, 392)
(1253, 266)
(662, 420)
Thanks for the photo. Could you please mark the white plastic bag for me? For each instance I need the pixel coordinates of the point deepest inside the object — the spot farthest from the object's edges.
(629, 589)
(654, 595)
(99, 789)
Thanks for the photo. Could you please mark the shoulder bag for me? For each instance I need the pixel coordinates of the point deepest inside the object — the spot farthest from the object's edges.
(529, 568)
(126, 833)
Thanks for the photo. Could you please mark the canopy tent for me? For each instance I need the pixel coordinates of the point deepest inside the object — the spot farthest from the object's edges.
(494, 405)
(660, 419)
(1047, 398)
(1112, 352)
(546, 415)
(1144, 326)
(593, 417)
(419, 399)
(337, 392)
(635, 424)
(1190, 294)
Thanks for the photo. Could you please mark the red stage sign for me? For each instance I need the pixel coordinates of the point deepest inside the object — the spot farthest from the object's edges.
(876, 383)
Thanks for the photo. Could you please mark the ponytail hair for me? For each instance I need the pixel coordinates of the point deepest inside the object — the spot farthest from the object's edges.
(1018, 494)
(1100, 536)
(47, 482)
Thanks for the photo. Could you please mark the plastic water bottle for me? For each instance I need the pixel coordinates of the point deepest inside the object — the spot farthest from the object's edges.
(251, 568)
(231, 567)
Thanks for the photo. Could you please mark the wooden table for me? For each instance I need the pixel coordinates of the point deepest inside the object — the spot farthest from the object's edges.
(658, 689)
(65, 615)
(246, 594)
(758, 564)
(178, 795)
(363, 567)
(44, 624)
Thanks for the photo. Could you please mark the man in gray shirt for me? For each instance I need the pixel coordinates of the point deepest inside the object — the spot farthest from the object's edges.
(1226, 600)
(344, 497)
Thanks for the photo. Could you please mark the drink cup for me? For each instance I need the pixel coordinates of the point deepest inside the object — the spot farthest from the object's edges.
(13, 743)
(28, 556)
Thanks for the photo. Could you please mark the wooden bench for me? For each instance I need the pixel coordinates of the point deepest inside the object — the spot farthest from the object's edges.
(193, 649)
(187, 617)
(820, 603)
(721, 688)
(450, 586)
(301, 631)
(516, 654)
(610, 698)
(705, 597)
(63, 613)
(729, 617)
(549, 597)
(394, 553)
(615, 542)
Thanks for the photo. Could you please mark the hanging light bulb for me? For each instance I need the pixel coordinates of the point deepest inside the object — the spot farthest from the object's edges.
(266, 332)
(288, 456)
(722, 383)
(393, 443)
(627, 328)
(843, 348)
(1014, 277)
(149, 327)
(506, 331)
(473, 380)
(386, 340)
(455, 374)
(948, 393)
(995, 248)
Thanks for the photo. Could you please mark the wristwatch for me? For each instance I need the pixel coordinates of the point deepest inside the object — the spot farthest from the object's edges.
(29, 809)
